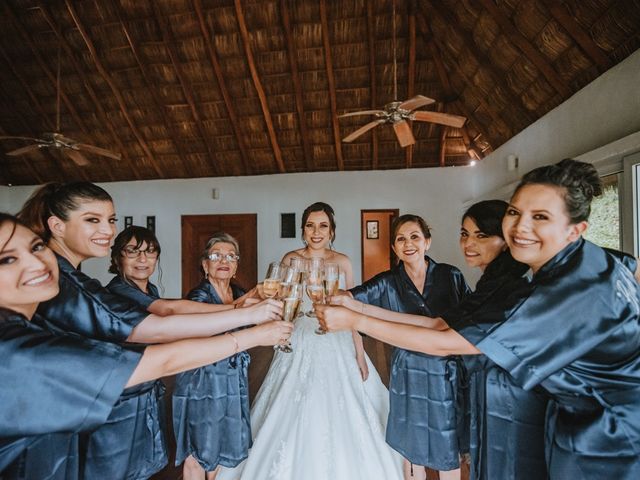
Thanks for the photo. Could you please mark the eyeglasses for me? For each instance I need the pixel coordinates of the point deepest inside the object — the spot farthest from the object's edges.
(131, 252)
(229, 257)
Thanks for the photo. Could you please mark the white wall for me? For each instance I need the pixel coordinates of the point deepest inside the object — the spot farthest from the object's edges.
(436, 194)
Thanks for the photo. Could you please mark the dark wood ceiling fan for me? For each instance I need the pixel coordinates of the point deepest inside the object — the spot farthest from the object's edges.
(68, 147)
(399, 113)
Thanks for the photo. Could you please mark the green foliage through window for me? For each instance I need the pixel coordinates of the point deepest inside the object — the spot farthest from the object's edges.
(604, 222)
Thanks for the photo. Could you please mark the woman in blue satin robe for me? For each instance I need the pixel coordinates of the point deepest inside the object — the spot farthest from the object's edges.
(573, 330)
(58, 384)
(506, 422)
(211, 404)
(78, 221)
(426, 416)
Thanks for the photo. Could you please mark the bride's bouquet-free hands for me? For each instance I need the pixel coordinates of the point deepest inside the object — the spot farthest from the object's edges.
(264, 311)
(272, 333)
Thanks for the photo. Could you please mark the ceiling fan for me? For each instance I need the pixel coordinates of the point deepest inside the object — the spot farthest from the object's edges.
(55, 140)
(398, 113)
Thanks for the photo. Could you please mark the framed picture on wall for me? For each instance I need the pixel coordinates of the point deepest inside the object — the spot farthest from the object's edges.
(372, 229)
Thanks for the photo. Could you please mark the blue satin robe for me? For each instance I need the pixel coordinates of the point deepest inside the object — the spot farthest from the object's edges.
(426, 412)
(211, 404)
(136, 429)
(506, 422)
(130, 445)
(53, 383)
(575, 331)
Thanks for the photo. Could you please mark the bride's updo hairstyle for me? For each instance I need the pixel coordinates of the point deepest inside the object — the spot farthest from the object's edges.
(58, 199)
(580, 181)
(320, 207)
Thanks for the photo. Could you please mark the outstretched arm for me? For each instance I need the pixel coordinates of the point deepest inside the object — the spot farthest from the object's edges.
(382, 313)
(157, 329)
(165, 307)
(418, 339)
(171, 358)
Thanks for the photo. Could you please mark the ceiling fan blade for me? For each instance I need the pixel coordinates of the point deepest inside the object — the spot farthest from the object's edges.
(362, 130)
(24, 150)
(62, 139)
(361, 112)
(77, 158)
(404, 133)
(416, 102)
(98, 151)
(9, 137)
(436, 117)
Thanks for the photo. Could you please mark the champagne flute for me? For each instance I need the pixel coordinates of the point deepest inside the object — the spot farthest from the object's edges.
(314, 278)
(299, 264)
(272, 281)
(331, 279)
(290, 310)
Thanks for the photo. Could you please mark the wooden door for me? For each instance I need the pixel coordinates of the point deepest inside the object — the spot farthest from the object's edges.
(197, 229)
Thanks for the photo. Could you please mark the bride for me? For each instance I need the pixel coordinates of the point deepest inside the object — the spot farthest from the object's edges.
(321, 411)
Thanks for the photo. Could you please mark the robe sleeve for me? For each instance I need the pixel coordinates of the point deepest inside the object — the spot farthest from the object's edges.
(53, 383)
(85, 307)
(119, 286)
(373, 290)
(562, 319)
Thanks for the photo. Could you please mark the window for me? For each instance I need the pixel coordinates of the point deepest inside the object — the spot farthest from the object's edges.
(604, 221)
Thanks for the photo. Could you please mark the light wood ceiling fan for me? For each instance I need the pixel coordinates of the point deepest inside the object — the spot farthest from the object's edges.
(399, 113)
(66, 146)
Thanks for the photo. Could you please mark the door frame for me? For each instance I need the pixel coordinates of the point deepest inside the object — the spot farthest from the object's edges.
(395, 212)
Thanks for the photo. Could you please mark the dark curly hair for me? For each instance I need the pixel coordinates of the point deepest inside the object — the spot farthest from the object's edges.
(487, 215)
(580, 181)
(141, 235)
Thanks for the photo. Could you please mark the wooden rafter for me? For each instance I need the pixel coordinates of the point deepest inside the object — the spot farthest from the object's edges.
(332, 86)
(448, 17)
(150, 86)
(371, 40)
(583, 39)
(466, 139)
(411, 71)
(112, 86)
(187, 90)
(443, 145)
(464, 109)
(104, 119)
(217, 69)
(52, 78)
(529, 50)
(277, 153)
(297, 84)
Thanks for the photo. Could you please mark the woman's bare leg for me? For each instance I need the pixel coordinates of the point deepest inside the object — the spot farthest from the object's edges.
(191, 470)
(450, 474)
(413, 472)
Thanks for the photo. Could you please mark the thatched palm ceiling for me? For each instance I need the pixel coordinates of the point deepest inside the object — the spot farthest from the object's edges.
(192, 88)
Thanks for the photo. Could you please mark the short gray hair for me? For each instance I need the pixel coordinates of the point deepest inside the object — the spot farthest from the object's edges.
(220, 237)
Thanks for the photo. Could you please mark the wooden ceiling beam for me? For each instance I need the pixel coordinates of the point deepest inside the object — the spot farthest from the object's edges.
(104, 119)
(151, 86)
(443, 146)
(529, 50)
(244, 33)
(451, 94)
(297, 84)
(371, 41)
(448, 17)
(468, 143)
(222, 85)
(187, 90)
(52, 78)
(332, 87)
(113, 87)
(560, 12)
(411, 71)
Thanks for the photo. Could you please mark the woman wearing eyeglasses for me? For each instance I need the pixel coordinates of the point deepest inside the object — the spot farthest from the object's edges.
(211, 404)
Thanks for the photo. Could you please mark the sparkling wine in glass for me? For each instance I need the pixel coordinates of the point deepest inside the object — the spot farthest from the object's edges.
(331, 279)
(313, 282)
(271, 283)
(290, 310)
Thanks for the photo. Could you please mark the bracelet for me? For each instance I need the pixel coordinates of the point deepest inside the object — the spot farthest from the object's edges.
(235, 342)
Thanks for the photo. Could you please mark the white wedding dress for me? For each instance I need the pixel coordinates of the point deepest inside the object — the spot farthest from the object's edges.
(315, 419)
